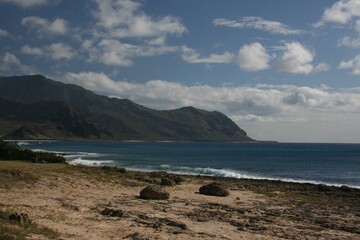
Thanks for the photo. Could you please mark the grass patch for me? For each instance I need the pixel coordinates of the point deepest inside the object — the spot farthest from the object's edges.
(14, 177)
(13, 231)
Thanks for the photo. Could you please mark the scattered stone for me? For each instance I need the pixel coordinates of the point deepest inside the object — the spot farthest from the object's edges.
(112, 212)
(214, 189)
(167, 182)
(177, 179)
(21, 218)
(154, 193)
(173, 223)
(136, 236)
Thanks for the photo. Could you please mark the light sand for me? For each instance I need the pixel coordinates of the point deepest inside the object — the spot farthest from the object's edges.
(69, 200)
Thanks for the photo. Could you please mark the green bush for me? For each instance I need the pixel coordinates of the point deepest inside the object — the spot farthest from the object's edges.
(14, 152)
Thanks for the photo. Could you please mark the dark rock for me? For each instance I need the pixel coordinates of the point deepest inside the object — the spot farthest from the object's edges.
(154, 192)
(346, 188)
(167, 182)
(177, 179)
(173, 223)
(214, 189)
(323, 188)
(112, 212)
(136, 236)
(21, 218)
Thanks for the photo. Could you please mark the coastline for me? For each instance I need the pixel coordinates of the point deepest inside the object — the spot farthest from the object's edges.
(68, 200)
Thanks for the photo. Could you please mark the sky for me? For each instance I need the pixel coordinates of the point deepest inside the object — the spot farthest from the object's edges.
(283, 70)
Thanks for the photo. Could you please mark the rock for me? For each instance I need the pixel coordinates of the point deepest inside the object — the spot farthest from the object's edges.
(167, 182)
(177, 179)
(323, 188)
(21, 218)
(345, 188)
(112, 212)
(136, 236)
(154, 192)
(214, 189)
(173, 223)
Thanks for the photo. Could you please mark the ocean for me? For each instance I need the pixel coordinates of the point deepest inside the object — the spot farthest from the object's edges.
(331, 164)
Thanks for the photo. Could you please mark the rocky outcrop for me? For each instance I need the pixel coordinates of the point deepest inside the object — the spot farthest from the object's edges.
(214, 189)
(154, 193)
(167, 182)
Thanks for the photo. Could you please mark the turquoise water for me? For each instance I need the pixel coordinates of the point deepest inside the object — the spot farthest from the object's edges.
(333, 164)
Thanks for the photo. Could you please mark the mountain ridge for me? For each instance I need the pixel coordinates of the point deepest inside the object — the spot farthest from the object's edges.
(122, 118)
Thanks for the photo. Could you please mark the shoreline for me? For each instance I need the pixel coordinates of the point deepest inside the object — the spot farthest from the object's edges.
(284, 180)
(69, 200)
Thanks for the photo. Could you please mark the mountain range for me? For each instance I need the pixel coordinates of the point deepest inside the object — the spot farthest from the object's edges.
(36, 107)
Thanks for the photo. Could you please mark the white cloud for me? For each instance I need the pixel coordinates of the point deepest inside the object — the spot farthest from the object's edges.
(340, 12)
(59, 51)
(321, 67)
(26, 49)
(10, 64)
(253, 57)
(191, 56)
(296, 59)
(114, 52)
(28, 3)
(124, 18)
(4, 33)
(353, 64)
(265, 111)
(43, 26)
(349, 42)
(259, 24)
(56, 51)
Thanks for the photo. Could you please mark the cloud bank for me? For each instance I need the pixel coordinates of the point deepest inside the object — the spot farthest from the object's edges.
(256, 108)
(259, 24)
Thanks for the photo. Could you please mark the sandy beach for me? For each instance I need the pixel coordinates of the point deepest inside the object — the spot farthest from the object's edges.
(68, 202)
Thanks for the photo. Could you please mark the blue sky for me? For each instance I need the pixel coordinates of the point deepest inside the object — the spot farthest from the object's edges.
(282, 70)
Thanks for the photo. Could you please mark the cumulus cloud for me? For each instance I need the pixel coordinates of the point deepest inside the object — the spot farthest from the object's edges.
(28, 3)
(124, 18)
(114, 52)
(43, 26)
(353, 64)
(253, 57)
(270, 111)
(259, 24)
(192, 56)
(55, 51)
(340, 12)
(4, 33)
(10, 64)
(296, 58)
(259, 100)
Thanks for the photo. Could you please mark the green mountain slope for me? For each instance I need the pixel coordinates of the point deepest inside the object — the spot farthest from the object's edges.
(122, 118)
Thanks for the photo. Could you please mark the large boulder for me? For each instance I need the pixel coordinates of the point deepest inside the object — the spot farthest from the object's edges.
(167, 182)
(214, 189)
(154, 192)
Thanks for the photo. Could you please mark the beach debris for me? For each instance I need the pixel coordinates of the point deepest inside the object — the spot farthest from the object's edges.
(154, 193)
(112, 212)
(136, 236)
(20, 218)
(214, 189)
(167, 182)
